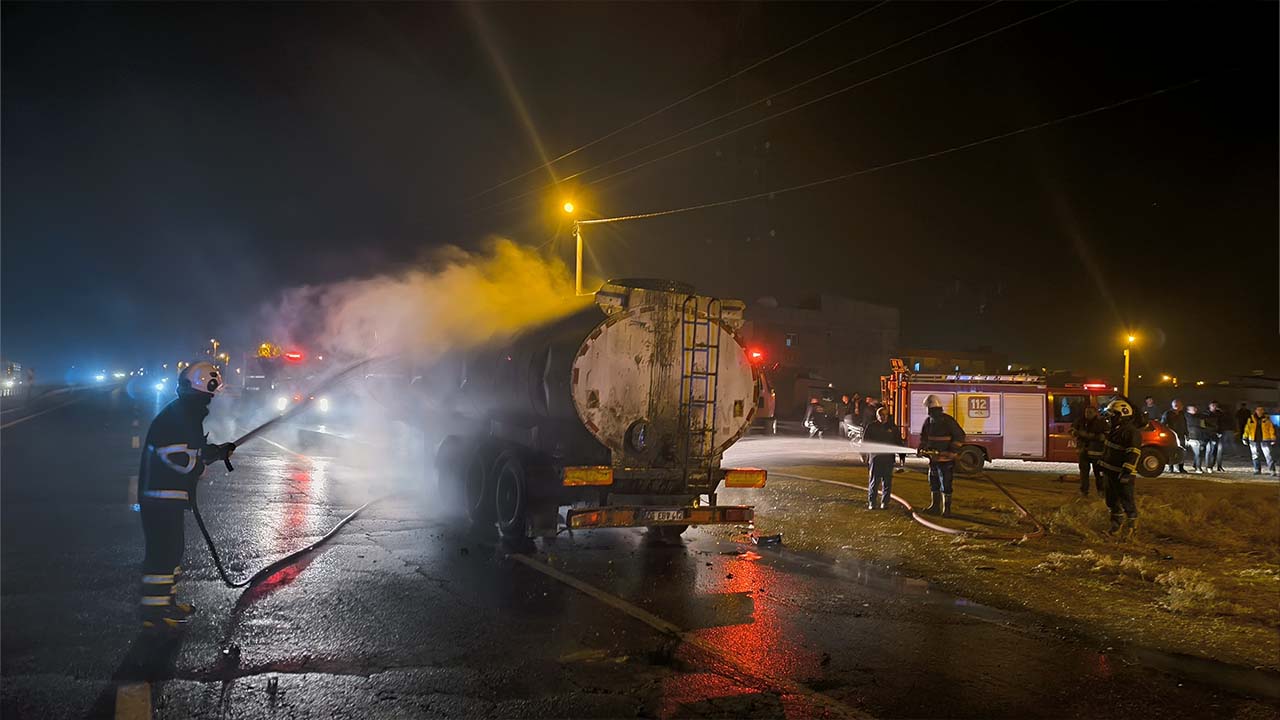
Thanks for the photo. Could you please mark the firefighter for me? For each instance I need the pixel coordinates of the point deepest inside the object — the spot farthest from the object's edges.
(173, 459)
(815, 418)
(1090, 430)
(1121, 450)
(941, 437)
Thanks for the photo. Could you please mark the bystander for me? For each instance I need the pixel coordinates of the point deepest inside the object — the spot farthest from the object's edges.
(1176, 420)
(1259, 434)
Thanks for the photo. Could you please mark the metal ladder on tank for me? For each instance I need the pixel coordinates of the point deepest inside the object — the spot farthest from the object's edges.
(699, 372)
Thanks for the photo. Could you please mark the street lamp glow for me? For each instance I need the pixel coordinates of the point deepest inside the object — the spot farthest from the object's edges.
(568, 207)
(1131, 339)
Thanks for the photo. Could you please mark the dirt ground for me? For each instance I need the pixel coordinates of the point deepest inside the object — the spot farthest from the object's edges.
(1201, 575)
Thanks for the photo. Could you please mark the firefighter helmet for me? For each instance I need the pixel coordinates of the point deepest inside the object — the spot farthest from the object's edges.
(1120, 408)
(200, 377)
(933, 401)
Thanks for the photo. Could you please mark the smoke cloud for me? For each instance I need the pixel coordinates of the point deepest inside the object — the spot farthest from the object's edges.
(458, 300)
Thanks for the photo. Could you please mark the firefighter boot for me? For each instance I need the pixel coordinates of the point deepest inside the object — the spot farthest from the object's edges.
(161, 621)
(1131, 526)
(935, 506)
(946, 504)
(1117, 520)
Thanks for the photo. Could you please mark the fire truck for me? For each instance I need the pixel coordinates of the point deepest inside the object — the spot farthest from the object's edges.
(1016, 416)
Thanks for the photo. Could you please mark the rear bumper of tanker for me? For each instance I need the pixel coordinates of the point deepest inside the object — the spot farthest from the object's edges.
(622, 503)
(622, 516)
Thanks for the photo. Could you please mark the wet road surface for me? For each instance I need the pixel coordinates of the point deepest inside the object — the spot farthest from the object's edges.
(409, 614)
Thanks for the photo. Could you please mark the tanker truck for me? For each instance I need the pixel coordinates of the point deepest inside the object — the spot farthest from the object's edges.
(618, 413)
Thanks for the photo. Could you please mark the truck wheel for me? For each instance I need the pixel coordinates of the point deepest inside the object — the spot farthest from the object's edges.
(1151, 463)
(969, 460)
(511, 497)
(478, 482)
(450, 463)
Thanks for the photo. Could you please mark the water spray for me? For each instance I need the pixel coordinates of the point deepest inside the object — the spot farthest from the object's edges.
(291, 557)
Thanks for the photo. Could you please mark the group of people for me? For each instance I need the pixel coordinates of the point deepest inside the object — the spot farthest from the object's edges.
(1204, 436)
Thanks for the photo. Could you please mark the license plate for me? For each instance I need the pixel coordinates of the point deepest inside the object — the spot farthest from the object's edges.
(665, 515)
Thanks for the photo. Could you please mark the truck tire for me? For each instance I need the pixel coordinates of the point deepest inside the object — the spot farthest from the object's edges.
(450, 462)
(511, 496)
(478, 483)
(969, 460)
(667, 533)
(1151, 463)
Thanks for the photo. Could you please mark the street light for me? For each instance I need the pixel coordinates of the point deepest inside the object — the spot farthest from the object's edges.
(1131, 338)
(215, 347)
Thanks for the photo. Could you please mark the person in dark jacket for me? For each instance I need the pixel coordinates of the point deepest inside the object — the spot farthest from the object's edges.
(1214, 425)
(1197, 438)
(816, 419)
(1176, 420)
(173, 458)
(941, 438)
(1089, 431)
(880, 482)
(1120, 452)
(1149, 410)
(1242, 416)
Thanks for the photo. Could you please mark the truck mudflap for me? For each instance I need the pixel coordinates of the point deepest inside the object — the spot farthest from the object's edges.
(644, 515)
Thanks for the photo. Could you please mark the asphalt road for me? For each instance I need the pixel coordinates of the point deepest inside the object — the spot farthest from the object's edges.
(410, 614)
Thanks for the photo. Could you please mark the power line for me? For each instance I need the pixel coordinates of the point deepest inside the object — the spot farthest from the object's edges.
(898, 163)
(753, 103)
(681, 101)
(833, 93)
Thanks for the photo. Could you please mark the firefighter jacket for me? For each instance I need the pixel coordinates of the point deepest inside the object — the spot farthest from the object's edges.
(175, 452)
(941, 437)
(1258, 429)
(1121, 449)
(1090, 435)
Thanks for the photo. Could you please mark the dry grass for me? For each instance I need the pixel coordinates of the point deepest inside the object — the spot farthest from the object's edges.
(1201, 575)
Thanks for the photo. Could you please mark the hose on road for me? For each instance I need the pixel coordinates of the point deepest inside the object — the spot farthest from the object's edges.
(278, 564)
(1023, 512)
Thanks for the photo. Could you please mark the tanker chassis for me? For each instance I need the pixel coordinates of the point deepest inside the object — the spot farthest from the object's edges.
(619, 412)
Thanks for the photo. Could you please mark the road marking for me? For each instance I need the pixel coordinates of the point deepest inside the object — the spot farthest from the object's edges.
(781, 686)
(295, 453)
(133, 701)
(11, 423)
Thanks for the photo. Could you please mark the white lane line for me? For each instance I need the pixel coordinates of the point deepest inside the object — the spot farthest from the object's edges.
(20, 420)
(295, 453)
(779, 685)
(133, 701)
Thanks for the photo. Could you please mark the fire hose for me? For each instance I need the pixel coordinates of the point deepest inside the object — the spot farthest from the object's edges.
(1023, 513)
(293, 556)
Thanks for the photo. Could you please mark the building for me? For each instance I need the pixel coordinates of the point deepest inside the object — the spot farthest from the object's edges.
(981, 361)
(823, 341)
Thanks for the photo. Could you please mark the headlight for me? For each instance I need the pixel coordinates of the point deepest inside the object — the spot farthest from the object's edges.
(282, 402)
(159, 387)
(8, 383)
(324, 404)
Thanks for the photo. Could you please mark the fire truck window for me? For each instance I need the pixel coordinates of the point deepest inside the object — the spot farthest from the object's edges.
(1069, 407)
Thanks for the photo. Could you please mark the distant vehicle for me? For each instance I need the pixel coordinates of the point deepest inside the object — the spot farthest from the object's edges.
(1014, 416)
(766, 417)
(620, 412)
(277, 379)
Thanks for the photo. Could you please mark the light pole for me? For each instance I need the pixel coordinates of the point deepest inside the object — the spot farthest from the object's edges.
(214, 342)
(569, 209)
(1128, 345)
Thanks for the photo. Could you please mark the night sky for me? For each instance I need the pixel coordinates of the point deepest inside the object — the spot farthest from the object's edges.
(168, 169)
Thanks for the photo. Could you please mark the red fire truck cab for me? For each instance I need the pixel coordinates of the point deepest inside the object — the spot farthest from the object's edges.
(1015, 416)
